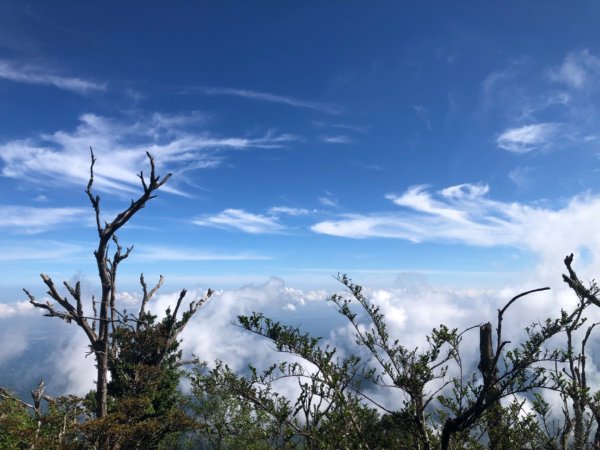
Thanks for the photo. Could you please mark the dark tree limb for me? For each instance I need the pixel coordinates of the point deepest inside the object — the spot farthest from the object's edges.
(105, 317)
(495, 386)
(574, 283)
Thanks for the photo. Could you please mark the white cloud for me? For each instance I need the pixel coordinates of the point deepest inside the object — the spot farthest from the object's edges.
(289, 211)
(342, 126)
(527, 138)
(39, 250)
(411, 310)
(578, 69)
(272, 98)
(14, 342)
(478, 221)
(157, 253)
(417, 198)
(421, 112)
(120, 147)
(465, 191)
(548, 107)
(521, 176)
(241, 220)
(31, 220)
(71, 369)
(329, 200)
(125, 298)
(337, 139)
(12, 309)
(40, 76)
(211, 334)
(238, 219)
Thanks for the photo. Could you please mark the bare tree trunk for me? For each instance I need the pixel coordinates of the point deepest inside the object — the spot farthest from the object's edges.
(101, 384)
(486, 400)
(107, 270)
(579, 434)
(596, 413)
(488, 369)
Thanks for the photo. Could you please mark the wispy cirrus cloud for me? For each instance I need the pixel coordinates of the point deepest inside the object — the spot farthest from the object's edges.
(178, 141)
(268, 97)
(29, 74)
(465, 214)
(578, 70)
(527, 138)
(337, 139)
(240, 220)
(161, 253)
(554, 106)
(341, 126)
(33, 220)
(422, 114)
(521, 176)
(40, 250)
(329, 200)
(289, 211)
(247, 222)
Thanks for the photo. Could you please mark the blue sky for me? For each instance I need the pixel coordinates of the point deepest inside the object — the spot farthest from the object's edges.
(456, 140)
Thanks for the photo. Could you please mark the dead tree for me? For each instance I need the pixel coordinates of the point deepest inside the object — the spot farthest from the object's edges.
(576, 387)
(100, 326)
(520, 375)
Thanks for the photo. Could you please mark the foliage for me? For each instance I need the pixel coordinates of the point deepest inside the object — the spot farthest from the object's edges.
(230, 420)
(432, 400)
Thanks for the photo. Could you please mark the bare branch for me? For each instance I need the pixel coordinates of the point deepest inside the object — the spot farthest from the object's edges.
(5, 393)
(499, 343)
(94, 200)
(147, 295)
(574, 283)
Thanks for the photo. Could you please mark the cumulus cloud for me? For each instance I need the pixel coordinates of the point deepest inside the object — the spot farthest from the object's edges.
(212, 335)
(73, 368)
(28, 74)
(176, 141)
(14, 343)
(411, 310)
(527, 138)
(8, 310)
